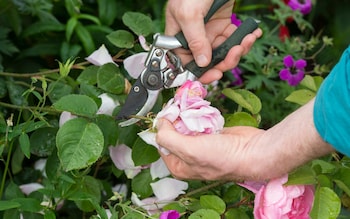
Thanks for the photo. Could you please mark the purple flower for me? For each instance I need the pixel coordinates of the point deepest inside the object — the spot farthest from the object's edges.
(235, 20)
(304, 6)
(236, 72)
(171, 214)
(294, 71)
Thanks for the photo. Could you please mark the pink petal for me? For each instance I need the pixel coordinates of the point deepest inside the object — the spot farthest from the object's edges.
(159, 169)
(135, 64)
(100, 57)
(143, 43)
(288, 61)
(108, 104)
(300, 64)
(30, 187)
(285, 74)
(64, 117)
(167, 189)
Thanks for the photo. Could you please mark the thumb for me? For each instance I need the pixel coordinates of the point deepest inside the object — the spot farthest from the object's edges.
(167, 136)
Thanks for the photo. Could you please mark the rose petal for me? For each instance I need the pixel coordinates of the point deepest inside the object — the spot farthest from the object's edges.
(100, 57)
(135, 64)
(159, 169)
(30, 187)
(167, 189)
(108, 104)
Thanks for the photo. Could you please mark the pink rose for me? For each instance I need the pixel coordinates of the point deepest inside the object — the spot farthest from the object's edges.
(190, 113)
(273, 200)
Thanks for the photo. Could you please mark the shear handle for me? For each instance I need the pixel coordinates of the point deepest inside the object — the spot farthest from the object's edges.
(219, 53)
(214, 7)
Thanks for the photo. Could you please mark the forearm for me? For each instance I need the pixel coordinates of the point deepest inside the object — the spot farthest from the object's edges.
(291, 143)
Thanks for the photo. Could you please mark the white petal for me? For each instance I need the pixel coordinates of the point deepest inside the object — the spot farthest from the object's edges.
(100, 57)
(40, 165)
(121, 189)
(121, 157)
(149, 204)
(30, 187)
(135, 64)
(64, 117)
(159, 169)
(143, 43)
(108, 104)
(168, 189)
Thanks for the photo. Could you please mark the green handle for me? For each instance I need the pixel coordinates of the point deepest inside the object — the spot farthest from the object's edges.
(214, 7)
(219, 53)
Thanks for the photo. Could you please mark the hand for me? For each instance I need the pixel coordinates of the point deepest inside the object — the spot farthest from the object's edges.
(244, 153)
(187, 16)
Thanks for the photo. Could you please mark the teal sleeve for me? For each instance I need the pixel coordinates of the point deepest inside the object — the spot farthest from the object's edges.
(332, 106)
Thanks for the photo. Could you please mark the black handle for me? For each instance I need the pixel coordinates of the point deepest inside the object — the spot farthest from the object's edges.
(219, 53)
(214, 7)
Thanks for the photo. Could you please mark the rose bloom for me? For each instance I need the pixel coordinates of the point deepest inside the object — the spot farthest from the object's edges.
(273, 200)
(190, 113)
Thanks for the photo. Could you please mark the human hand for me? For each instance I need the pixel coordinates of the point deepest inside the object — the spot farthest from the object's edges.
(244, 153)
(187, 16)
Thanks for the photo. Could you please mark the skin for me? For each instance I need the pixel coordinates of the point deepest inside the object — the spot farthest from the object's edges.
(187, 16)
(244, 153)
(237, 153)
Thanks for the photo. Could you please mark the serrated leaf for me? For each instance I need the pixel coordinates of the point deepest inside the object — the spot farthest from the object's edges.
(77, 104)
(240, 119)
(213, 202)
(29, 204)
(121, 39)
(139, 23)
(326, 204)
(204, 214)
(301, 96)
(88, 75)
(110, 79)
(244, 98)
(234, 213)
(143, 154)
(79, 144)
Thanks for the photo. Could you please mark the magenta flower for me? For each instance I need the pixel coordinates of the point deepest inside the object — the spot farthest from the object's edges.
(235, 20)
(304, 6)
(236, 72)
(294, 71)
(171, 214)
(273, 200)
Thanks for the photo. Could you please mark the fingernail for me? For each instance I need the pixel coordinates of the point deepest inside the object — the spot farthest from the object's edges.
(202, 61)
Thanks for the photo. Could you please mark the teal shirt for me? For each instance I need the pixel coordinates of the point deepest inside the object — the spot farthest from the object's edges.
(332, 106)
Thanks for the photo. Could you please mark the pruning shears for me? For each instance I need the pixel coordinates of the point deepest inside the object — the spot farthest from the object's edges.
(164, 70)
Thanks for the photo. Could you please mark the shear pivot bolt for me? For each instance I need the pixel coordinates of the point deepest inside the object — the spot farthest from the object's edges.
(159, 52)
(136, 89)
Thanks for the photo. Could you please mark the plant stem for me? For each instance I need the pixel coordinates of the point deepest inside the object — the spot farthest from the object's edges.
(46, 109)
(7, 164)
(205, 188)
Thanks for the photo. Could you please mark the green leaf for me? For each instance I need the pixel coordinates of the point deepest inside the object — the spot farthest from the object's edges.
(107, 12)
(139, 23)
(4, 205)
(43, 141)
(140, 184)
(42, 27)
(326, 204)
(88, 192)
(204, 214)
(121, 39)
(301, 96)
(234, 213)
(213, 202)
(309, 83)
(29, 204)
(77, 104)
(133, 215)
(85, 37)
(240, 119)
(303, 175)
(109, 129)
(244, 98)
(110, 79)
(79, 144)
(88, 75)
(143, 153)
(57, 90)
(25, 144)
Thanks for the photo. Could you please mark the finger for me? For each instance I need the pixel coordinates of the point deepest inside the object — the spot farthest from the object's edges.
(177, 167)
